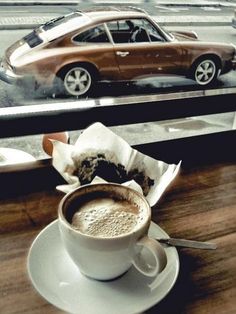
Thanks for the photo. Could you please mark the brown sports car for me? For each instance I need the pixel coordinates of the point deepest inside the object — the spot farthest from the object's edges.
(75, 51)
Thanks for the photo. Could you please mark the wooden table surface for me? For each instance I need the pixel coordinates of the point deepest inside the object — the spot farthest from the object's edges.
(200, 204)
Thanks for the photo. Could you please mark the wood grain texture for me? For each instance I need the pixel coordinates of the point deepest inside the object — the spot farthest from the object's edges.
(200, 205)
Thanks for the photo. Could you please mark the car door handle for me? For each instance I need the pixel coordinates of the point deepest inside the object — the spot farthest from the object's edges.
(122, 53)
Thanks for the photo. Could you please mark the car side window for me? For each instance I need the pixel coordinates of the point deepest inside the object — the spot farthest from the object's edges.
(152, 32)
(128, 31)
(93, 35)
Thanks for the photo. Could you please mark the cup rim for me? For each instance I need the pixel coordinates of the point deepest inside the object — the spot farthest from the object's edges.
(88, 236)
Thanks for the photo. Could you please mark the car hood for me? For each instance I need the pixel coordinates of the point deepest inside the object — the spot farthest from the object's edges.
(185, 36)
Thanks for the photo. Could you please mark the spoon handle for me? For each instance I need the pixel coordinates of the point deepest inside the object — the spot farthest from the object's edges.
(189, 243)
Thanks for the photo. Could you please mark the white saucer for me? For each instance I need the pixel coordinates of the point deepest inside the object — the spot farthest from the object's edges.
(59, 281)
(14, 156)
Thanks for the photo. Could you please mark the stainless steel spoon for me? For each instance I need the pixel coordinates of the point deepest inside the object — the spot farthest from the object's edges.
(189, 243)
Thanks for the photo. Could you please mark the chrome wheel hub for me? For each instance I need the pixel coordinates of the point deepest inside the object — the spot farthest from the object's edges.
(77, 81)
(205, 72)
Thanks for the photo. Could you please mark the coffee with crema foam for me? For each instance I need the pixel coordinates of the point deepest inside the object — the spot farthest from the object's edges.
(107, 217)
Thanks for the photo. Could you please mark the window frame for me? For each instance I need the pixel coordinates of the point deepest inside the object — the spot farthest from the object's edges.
(57, 116)
(23, 123)
(155, 26)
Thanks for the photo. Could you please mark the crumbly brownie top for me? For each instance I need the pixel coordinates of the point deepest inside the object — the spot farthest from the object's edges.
(88, 167)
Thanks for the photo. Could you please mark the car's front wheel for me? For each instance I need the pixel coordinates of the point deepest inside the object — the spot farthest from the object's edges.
(205, 71)
(76, 81)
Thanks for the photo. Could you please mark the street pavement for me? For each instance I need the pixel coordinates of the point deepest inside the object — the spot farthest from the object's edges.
(137, 2)
(30, 22)
(74, 2)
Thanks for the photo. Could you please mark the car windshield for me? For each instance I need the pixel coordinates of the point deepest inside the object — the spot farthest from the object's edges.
(168, 34)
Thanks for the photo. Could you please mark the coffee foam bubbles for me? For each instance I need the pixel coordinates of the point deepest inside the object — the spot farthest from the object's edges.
(105, 217)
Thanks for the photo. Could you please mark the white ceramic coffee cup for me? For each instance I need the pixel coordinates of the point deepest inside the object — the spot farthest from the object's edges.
(105, 258)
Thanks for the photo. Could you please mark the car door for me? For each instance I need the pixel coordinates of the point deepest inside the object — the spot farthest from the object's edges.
(145, 51)
(93, 46)
(130, 55)
(164, 55)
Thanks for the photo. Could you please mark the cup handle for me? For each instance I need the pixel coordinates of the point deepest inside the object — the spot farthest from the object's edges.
(142, 262)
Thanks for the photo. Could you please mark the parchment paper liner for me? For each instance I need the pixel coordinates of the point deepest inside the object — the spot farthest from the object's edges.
(98, 138)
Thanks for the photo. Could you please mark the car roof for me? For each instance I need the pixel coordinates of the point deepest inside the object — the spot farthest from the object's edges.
(88, 17)
(113, 12)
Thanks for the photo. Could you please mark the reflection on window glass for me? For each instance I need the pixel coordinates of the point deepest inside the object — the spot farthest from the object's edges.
(166, 130)
(133, 56)
(92, 35)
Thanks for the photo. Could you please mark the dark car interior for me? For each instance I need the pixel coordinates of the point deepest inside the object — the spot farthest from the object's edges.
(130, 34)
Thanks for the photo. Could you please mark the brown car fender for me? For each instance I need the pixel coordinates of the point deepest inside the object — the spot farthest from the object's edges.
(212, 56)
(75, 62)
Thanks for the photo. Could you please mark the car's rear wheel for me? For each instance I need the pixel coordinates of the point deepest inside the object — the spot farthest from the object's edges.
(205, 71)
(76, 80)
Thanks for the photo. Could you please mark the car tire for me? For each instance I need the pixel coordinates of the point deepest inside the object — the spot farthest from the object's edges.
(76, 81)
(205, 71)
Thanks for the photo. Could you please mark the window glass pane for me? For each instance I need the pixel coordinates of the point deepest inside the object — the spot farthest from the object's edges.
(151, 132)
(33, 39)
(120, 31)
(128, 31)
(54, 55)
(153, 33)
(93, 35)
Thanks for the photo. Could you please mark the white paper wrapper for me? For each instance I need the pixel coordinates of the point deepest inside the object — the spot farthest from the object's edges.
(98, 139)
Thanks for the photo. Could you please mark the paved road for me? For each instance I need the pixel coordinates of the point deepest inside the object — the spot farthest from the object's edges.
(165, 2)
(160, 9)
(15, 17)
